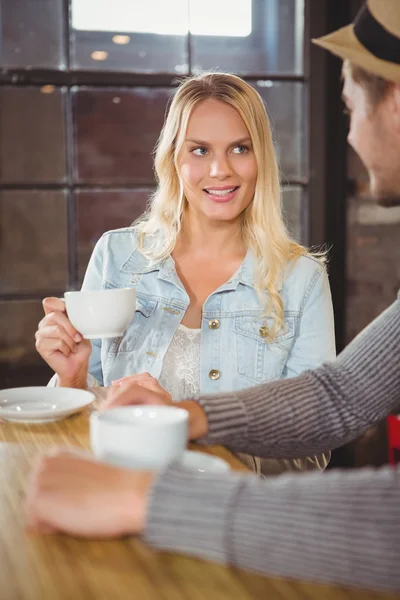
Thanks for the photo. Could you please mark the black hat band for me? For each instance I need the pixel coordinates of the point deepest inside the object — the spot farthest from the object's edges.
(375, 38)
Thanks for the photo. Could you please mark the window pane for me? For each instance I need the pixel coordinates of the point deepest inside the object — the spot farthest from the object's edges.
(20, 363)
(32, 135)
(372, 255)
(101, 210)
(18, 323)
(292, 200)
(131, 35)
(228, 19)
(274, 44)
(115, 133)
(32, 34)
(33, 241)
(286, 108)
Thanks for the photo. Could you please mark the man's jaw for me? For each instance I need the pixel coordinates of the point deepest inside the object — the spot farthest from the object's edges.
(389, 201)
(384, 195)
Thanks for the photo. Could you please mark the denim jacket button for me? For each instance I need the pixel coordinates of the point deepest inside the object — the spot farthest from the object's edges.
(214, 374)
(213, 324)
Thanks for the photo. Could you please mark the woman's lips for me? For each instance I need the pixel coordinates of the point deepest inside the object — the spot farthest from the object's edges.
(224, 194)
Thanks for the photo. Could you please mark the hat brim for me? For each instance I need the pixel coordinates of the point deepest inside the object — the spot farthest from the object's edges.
(343, 43)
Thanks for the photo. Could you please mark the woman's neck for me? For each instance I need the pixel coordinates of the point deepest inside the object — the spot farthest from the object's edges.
(215, 238)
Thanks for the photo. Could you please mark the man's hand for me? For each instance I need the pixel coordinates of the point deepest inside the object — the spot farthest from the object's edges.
(145, 389)
(75, 495)
(119, 391)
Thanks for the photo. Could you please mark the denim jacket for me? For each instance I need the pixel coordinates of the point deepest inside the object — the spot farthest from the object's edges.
(233, 353)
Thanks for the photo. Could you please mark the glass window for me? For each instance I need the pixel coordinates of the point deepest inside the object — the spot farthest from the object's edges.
(32, 135)
(175, 17)
(148, 37)
(18, 323)
(293, 210)
(273, 44)
(144, 37)
(20, 363)
(32, 34)
(115, 131)
(228, 18)
(286, 108)
(33, 241)
(99, 210)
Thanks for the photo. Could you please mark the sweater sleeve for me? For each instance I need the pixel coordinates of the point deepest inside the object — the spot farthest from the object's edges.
(342, 527)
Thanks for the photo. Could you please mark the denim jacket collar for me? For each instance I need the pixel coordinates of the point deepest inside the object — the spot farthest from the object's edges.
(137, 263)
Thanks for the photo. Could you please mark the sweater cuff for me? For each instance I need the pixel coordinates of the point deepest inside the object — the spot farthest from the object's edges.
(181, 518)
(227, 420)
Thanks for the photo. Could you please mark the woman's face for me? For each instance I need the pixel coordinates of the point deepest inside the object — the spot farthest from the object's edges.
(216, 163)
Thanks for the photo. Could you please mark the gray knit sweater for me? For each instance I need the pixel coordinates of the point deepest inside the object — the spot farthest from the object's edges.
(341, 527)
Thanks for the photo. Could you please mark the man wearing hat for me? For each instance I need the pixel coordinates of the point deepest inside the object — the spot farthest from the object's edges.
(341, 527)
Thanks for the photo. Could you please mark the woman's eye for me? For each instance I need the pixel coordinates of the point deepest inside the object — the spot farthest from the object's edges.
(240, 149)
(199, 151)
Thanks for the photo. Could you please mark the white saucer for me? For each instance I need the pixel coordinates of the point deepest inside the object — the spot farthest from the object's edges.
(203, 463)
(191, 461)
(42, 404)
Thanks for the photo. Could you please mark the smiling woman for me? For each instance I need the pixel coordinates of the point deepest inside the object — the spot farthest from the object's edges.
(226, 109)
(225, 298)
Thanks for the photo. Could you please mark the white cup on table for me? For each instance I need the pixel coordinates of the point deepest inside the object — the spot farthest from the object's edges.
(101, 314)
(139, 437)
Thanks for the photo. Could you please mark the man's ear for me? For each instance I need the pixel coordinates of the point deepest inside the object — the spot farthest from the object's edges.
(396, 106)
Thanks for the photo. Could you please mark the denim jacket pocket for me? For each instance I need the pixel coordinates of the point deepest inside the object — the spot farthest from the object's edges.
(257, 358)
(144, 309)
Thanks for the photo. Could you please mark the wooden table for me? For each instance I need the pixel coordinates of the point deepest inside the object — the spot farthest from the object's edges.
(60, 567)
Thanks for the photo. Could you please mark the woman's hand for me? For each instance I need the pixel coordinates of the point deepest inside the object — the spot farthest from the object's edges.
(62, 346)
(75, 495)
(145, 389)
(124, 392)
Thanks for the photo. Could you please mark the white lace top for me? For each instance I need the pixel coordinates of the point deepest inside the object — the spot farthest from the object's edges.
(180, 373)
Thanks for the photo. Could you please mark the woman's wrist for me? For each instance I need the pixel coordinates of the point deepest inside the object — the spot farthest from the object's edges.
(78, 382)
(198, 423)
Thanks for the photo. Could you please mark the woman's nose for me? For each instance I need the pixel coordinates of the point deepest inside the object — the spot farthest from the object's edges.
(220, 167)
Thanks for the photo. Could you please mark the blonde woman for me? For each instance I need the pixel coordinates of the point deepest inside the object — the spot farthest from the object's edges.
(225, 298)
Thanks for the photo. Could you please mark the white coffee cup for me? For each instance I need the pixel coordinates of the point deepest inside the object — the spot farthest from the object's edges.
(139, 437)
(102, 314)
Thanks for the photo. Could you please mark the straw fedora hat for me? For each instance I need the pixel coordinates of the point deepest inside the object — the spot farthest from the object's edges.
(372, 41)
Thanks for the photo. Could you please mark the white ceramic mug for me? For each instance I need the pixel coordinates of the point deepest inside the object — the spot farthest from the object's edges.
(102, 314)
(139, 437)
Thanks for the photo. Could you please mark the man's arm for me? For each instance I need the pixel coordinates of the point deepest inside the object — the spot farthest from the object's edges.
(301, 416)
(319, 409)
(342, 527)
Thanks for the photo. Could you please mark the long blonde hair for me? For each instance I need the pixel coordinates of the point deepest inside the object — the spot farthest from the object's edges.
(263, 228)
